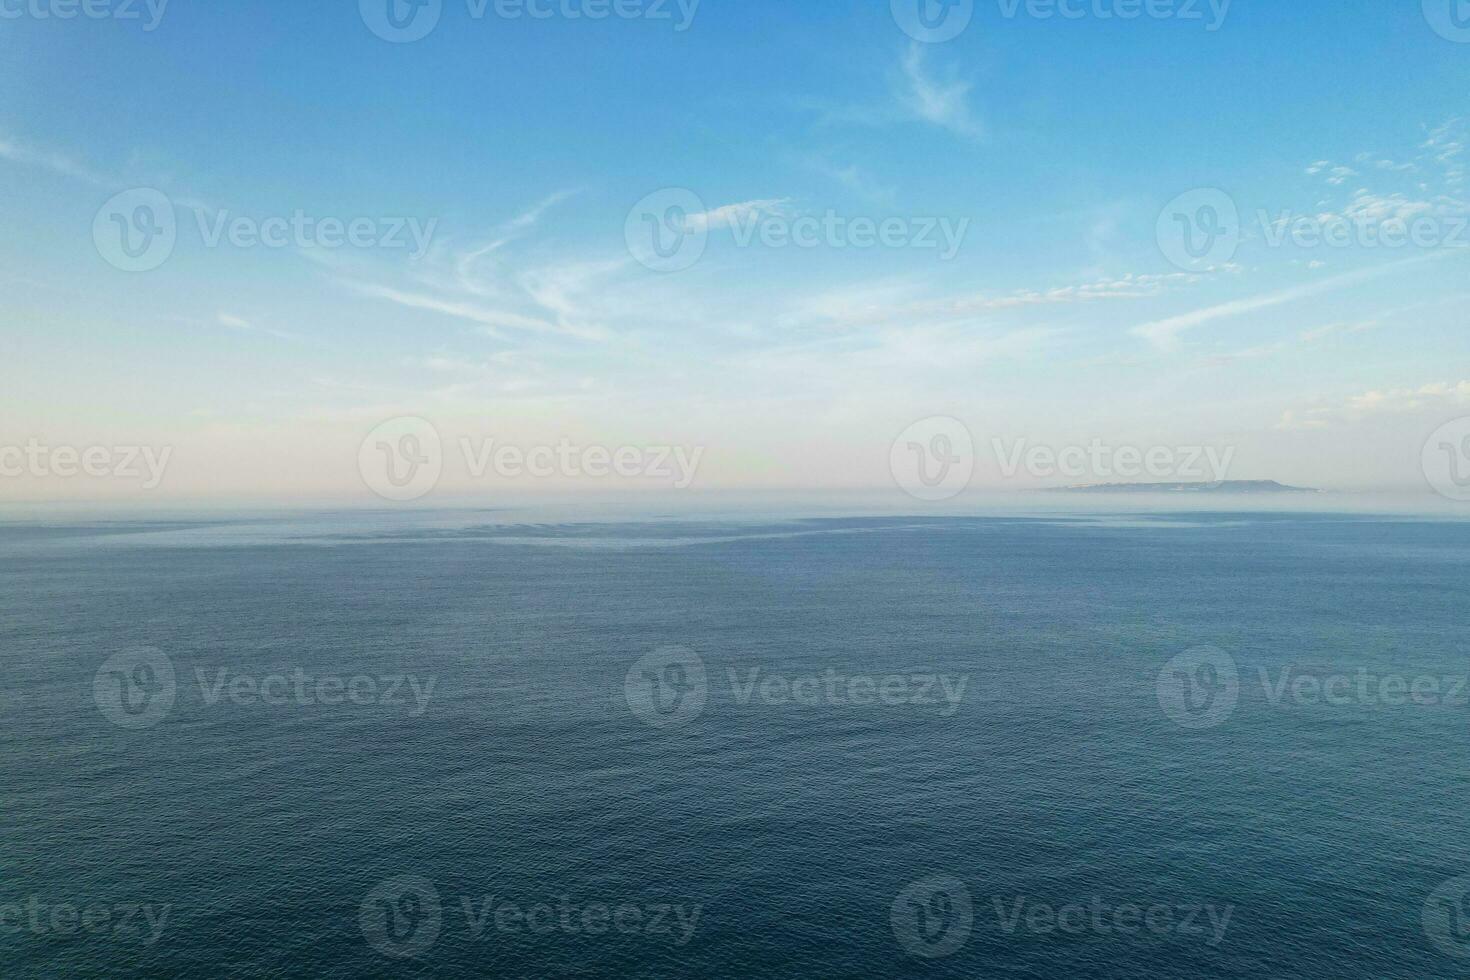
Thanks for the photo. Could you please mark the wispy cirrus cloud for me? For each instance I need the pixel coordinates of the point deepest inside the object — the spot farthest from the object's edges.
(492, 319)
(852, 177)
(874, 304)
(471, 276)
(942, 102)
(24, 154)
(916, 94)
(1164, 334)
(729, 215)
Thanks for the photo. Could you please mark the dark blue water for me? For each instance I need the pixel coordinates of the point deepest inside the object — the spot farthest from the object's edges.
(546, 811)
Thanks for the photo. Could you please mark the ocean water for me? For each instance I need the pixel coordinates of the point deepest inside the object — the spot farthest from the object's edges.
(1199, 745)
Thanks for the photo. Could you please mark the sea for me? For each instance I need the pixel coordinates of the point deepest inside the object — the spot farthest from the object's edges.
(367, 744)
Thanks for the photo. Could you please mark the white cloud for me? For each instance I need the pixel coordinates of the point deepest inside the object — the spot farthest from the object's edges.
(465, 264)
(1164, 334)
(736, 214)
(495, 320)
(943, 103)
(1378, 402)
(31, 156)
(894, 303)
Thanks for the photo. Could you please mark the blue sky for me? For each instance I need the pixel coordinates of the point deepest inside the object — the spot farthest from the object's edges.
(520, 146)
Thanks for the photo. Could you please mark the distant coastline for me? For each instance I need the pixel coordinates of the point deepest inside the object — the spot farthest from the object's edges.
(1224, 486)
